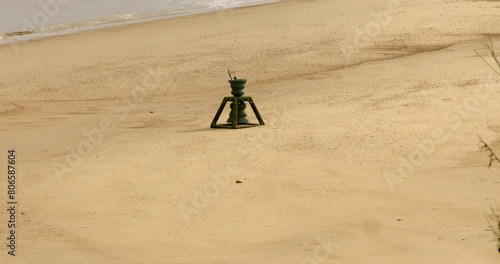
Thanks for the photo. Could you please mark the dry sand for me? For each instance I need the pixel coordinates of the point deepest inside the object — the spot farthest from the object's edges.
(320, 180)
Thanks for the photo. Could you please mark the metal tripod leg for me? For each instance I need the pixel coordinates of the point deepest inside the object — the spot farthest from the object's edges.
(256, 111)
(219, 112)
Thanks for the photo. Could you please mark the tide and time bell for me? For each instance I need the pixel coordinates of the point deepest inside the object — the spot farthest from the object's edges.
(237, 116)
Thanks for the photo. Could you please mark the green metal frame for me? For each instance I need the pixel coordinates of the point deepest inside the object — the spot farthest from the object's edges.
(234, 123)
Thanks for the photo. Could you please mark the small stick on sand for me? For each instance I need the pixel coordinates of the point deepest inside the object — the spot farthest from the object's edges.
(492, 155)
(494, 223)
(493, 54)
(491, 49)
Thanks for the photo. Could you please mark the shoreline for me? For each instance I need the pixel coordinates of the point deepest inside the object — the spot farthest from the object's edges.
(14, 37)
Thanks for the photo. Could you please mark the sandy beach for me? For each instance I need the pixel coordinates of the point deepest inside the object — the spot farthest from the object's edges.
(370, 152)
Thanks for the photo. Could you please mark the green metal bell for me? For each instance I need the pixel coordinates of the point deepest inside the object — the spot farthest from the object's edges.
(238, 87)
(238, 116)
(238, 90)
(242, 115)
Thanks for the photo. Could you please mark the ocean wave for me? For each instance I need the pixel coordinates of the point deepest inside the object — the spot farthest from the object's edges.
(175, 8)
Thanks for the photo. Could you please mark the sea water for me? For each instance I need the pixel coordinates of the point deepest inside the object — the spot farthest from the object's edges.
(29, 19)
